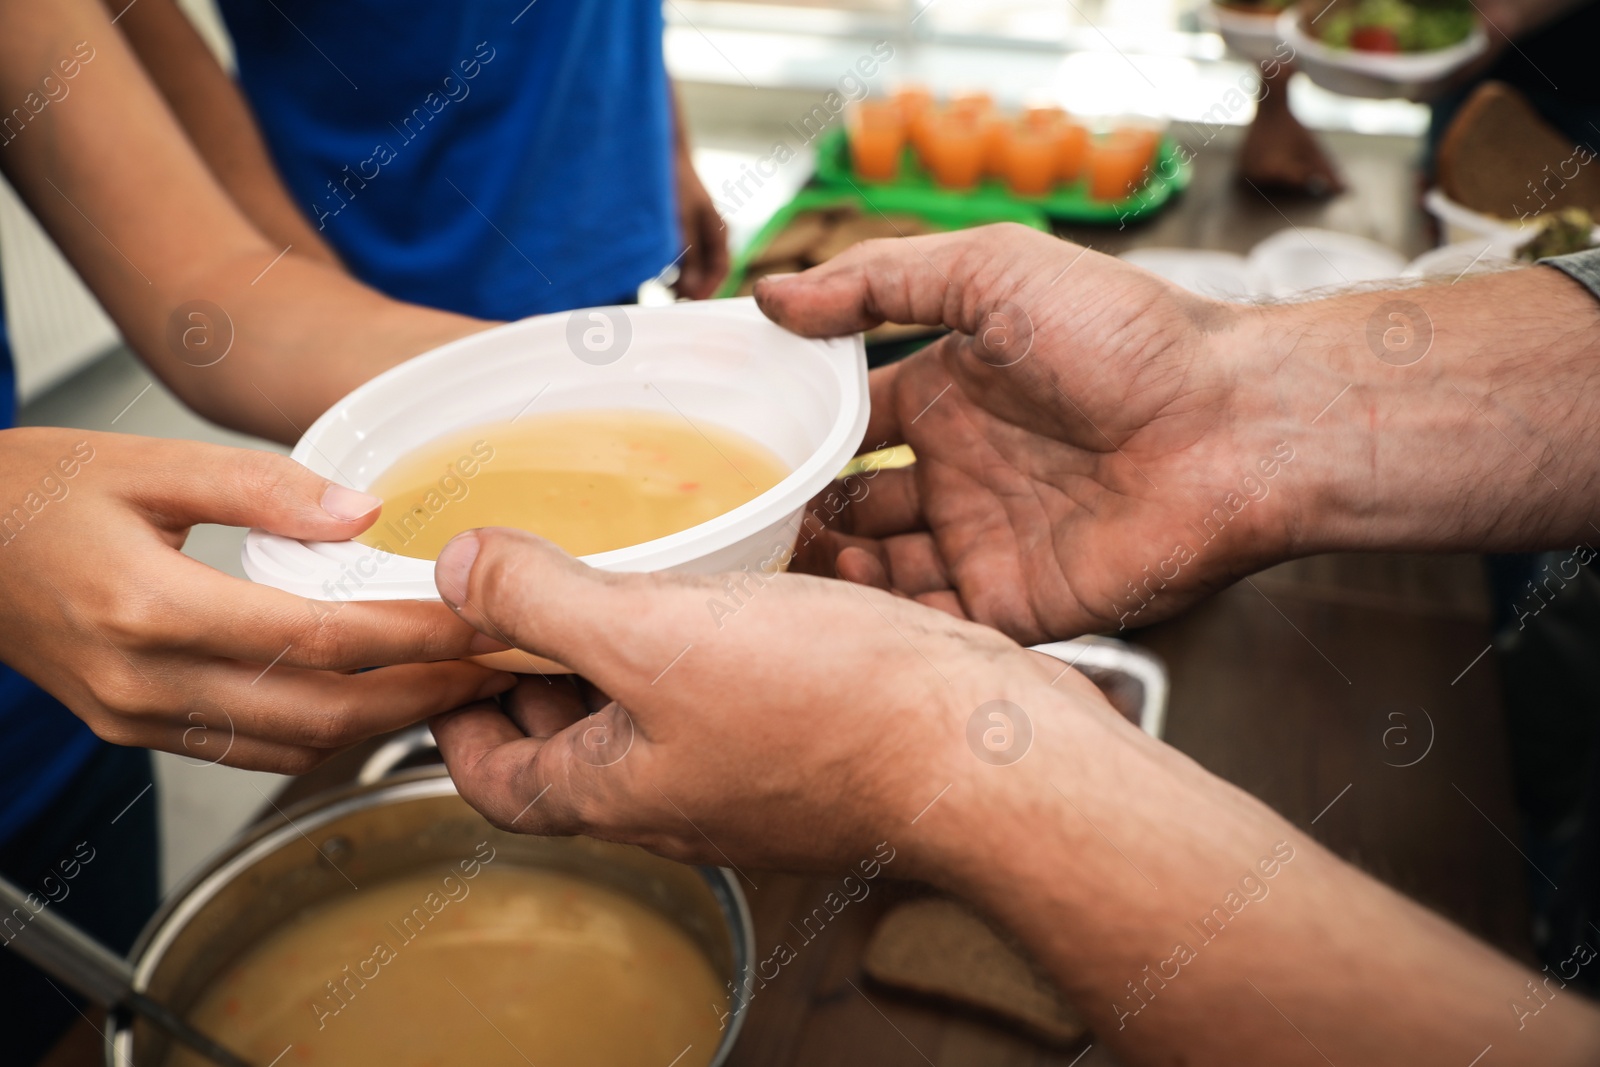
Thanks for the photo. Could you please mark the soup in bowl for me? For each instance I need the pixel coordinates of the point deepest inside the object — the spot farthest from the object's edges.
(693, 445)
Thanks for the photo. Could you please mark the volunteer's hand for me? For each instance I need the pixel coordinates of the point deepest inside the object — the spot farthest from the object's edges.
(793, 732)
(705, 263)
(1075, 428)
(152, 648)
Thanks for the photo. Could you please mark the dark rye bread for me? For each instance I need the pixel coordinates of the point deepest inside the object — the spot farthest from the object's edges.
(1501, 158)
(936, 947)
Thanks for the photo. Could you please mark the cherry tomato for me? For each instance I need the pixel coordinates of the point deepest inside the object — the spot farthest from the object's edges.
(1375, 39)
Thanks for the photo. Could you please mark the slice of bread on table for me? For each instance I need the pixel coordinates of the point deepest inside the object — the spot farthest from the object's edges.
(937, 947)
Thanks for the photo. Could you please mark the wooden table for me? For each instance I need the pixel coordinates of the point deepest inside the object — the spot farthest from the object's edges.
(1312, 686)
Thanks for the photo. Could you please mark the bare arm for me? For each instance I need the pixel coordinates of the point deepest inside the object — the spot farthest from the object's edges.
(1471, 421)
(218, 121)
(1192, 924)
(108, 171)
(704, 262)
(1186, 920)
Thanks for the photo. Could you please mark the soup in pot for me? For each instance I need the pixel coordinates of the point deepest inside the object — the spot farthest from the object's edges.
(590, 481)
(506, 967)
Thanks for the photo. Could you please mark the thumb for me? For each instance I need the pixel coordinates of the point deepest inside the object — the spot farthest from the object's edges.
(189, 483)
(522, 589)
(614, 629)
(954, 280)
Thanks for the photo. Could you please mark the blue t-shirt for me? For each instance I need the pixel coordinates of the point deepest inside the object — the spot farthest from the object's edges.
(496, 159)
(42, 744)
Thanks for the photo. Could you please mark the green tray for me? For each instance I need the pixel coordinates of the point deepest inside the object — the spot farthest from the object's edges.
(1071, 203)
(950, 213)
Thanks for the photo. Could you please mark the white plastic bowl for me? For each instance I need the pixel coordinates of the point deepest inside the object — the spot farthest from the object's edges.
(1419, 76)
(1455, 261)
(720, 362)
(1302, 259)
(1218, 275)
(1463, 224)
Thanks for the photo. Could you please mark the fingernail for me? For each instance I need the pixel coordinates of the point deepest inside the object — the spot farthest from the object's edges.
(483, 644)
(450, 574)
(777, 277)
(348, 504)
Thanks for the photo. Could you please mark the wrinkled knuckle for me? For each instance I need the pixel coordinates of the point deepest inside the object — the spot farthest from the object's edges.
(333, 728)
(115, 730)
(584, 813)
(497, 575)
(123, 693)
(500, 812)
(265, 477)
(498, 560)
(876, 248)
(443, 635)
(326, 647)
(133, 621)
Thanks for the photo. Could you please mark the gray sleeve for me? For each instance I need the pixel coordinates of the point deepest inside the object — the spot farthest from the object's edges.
(1581, 267)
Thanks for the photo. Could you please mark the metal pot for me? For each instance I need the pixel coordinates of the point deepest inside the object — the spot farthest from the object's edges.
(370, 833)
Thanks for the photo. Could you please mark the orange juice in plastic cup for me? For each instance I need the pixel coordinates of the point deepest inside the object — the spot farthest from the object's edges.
(971, 103)
(1071, 138)
(1118, 161)
(955, 150)
(997, 132)
(1043, 116)
(1031, 160)
(916, 105)
(977, 106)
(1150, 136)
(877, 137)
(1072, 150)
(913, 101)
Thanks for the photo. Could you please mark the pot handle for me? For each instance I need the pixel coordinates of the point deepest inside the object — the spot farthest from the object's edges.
(403, 746)
(1110, 654)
